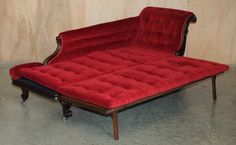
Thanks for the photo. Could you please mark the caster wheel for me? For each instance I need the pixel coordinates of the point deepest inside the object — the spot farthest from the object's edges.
(64, 118)
(67, 114)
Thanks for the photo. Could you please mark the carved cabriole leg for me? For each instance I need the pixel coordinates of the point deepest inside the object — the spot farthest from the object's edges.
(24, 95)
(213, 79)
(115, 125)
(66, 109)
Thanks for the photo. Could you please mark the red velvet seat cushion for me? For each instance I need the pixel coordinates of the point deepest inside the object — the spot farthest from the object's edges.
(116, 77)
(131, 84)
(89, 66)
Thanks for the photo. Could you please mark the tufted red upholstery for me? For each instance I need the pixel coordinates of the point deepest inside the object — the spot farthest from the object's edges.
(14, 72)
(131, 84)
(99, 37)
(120, 62)
(156, 28)
(115, 77)
(89, 66)
(161, 28)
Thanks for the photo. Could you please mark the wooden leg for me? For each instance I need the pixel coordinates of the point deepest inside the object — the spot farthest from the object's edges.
(115, 125)
(66, 109)
(24, 95)
(213, 79)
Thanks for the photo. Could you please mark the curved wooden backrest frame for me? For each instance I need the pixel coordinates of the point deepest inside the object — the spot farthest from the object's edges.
(192, 19)
(54, 54)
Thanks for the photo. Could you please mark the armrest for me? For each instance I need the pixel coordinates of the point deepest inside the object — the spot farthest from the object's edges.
(79, 42)
(164, 29)
(14, 71)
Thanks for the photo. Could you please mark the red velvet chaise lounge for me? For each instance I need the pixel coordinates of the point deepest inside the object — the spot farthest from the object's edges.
(113, 66)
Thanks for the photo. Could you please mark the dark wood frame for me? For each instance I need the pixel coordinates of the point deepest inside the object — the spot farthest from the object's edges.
(66, 102)
(192, 19)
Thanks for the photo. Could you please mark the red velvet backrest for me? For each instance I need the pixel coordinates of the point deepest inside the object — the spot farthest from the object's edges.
(162, 28)
(81, 41)
(157, 28)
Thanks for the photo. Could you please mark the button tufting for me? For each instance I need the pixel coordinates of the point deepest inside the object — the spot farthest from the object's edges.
(117, 65)
(93, 81)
